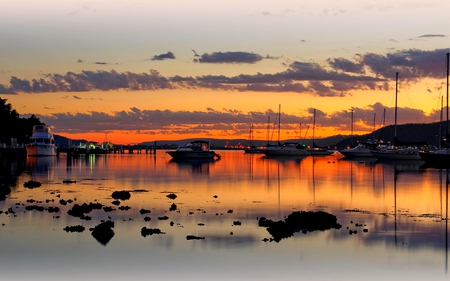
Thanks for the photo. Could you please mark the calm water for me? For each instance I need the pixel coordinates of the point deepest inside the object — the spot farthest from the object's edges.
(402, 205)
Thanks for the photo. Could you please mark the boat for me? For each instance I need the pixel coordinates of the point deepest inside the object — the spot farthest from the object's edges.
(251, 148)
(286, 149)
(42, 142)
(289, 148)
(398, 150)
(361, 150)
(197, 149)
(441, 156)
(317, 150)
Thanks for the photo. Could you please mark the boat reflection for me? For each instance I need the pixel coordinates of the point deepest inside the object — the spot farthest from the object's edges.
(196, 166)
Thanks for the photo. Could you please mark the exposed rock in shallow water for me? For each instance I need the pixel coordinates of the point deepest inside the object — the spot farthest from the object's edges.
(172, 196)
(103, 232)
(299, 221)
(122, 195)
(193, 237)
(173, 207)
(75, 228)
(150, 231)
(79, 211)
(4, 190)
(144, 211)
(32, 184)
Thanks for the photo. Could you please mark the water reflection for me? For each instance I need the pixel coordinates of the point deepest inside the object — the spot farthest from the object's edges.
(403, 207)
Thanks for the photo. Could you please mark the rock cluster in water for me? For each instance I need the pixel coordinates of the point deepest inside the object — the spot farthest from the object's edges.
(103, 232)
(299, 221)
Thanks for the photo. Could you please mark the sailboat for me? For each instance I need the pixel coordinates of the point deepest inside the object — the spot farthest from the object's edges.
(399, 150)
(286, 148)
(315, 149)
(440, 157)
(251, 148)
(362, 150)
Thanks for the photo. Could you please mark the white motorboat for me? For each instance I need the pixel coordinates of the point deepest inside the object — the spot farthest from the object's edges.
(358, 151)
(392, 153)
(286, 149)
(197, 149)
(42, 142)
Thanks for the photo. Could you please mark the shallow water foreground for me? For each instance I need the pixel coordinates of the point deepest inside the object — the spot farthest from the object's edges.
(393, 219)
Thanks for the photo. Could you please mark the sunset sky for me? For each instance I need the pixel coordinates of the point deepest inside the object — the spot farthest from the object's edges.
(133, 71)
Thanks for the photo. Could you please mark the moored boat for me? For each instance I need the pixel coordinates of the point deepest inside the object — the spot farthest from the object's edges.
(440, 157)
(286, 149)
(42, 142)
(358, 151)
(399, 150)
(197, 149)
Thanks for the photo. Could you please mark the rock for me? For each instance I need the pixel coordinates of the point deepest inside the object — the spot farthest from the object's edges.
(75, 228)
(143, 211)
(124, 208)
(32, 184)
(163, 218)
(116, 202)
(69, 181)
(173, 207)
(103, 232)
(122, 195)
(230, 211)
(147, 219)
(150, 231)
(171, 196)
(299, 221)
(80, 210)
(237, 223)
(193, 237)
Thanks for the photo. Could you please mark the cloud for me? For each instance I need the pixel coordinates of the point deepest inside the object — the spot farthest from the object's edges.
(337, 77)
(229, 57)
(168, 55)
(230, 122)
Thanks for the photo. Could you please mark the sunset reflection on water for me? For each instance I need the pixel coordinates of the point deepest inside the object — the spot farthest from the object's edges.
(402, 205)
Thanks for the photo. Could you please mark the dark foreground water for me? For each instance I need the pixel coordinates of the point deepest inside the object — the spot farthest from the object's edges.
(393, 218)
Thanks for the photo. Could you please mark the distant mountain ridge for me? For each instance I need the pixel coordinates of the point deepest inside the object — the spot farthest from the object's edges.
(406, 132)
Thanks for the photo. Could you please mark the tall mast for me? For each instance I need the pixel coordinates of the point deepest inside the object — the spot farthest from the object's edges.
(352, 128)
(279, 122)
(396, 91)
(314, 126)
(446, 135)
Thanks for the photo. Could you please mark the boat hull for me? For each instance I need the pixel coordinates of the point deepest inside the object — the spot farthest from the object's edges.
(400, 154)
(436, 159)
(192, 154)
(41, 150)
(319, 152)
(282, 151)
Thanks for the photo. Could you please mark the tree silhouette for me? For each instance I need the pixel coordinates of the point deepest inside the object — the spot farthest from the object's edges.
(14, 126)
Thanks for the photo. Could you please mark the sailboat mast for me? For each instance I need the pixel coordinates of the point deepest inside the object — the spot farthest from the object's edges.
(446, 135)
(279, 122)
(351, 126)
(395, 119)
(314, 127)
(373, 130)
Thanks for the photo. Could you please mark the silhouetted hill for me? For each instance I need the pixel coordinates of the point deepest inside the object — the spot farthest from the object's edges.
(406, 133)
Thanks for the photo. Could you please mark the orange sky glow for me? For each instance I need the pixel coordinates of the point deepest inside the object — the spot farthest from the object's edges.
(89, 77)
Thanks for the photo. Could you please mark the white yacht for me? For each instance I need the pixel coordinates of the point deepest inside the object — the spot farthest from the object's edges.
(286, 149)
(358, 151)
(42, 142)
(197, 149)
